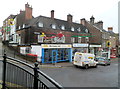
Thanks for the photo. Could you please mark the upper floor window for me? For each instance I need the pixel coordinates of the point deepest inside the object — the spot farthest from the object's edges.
(79, 29)
(72, 29)
(53, 26)
(23, 25)
(63, 27)
(79, 39)
(19, 27)
(86, 30)
(87, 39)
(40, 24)
(72, 39)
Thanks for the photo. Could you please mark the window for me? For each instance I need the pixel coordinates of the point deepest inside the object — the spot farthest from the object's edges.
(72, 29)
(53, 26)
(86, 30)
(23, 25)
(79, 29)
(40, 24)
(19, 27)
(87, 39)
(63, 27)
(79, 39)
(72, 39)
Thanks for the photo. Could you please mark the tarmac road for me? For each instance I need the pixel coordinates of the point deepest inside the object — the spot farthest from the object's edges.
(102, 76)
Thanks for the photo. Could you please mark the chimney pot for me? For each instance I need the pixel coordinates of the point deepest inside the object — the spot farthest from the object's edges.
(110, 29)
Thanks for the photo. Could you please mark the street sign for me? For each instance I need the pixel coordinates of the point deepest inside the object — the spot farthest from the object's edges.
(108, 43)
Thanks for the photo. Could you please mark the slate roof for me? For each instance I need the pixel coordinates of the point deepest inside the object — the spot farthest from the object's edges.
(47, 22)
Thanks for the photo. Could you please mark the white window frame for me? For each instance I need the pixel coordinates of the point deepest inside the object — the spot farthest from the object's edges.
(40, 24)
(63, 27)
(86, 30)
(79, 39)
(72, 29)
(87, 39)
(53, 26)
(79, 30)
(72, 39)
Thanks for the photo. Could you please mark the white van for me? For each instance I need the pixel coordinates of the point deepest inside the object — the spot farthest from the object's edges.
(84, 60)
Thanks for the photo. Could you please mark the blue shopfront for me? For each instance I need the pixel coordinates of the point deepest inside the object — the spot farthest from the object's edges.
(53, 53)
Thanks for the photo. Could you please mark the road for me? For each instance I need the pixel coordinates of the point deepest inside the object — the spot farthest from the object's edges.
(102, 76)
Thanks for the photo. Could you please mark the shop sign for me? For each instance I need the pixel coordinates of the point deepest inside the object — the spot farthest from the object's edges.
(80, 45)
(56, 46)
(95, 45)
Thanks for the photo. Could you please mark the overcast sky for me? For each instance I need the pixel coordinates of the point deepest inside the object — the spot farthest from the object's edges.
(105, 10)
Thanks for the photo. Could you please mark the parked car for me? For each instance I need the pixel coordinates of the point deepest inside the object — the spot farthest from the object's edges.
(103, 61)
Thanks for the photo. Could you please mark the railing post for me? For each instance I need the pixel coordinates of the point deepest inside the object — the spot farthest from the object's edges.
(36, 75)
(4, 71)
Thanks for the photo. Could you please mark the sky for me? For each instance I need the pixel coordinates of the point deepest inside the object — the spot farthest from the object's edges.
(105, 10)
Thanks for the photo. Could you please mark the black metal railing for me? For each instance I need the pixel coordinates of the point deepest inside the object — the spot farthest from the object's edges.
(19, 74)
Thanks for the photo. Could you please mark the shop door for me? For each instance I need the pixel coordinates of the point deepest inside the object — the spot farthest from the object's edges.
(54, 56)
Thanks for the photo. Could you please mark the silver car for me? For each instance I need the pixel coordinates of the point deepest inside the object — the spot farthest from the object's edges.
(103, 61)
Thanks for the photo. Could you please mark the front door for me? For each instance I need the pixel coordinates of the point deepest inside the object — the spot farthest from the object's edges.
(54, 56)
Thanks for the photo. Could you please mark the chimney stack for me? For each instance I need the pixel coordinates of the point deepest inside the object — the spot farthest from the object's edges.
(52, 14)
(82, 21)
(69, 18)
(28, 11)
(100, 24)
(92, 20)
(110, 29)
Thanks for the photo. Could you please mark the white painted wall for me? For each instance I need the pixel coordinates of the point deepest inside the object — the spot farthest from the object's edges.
(22, 50)
(37, 49)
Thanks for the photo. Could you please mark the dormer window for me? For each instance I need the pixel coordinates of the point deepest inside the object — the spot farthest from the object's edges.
(63, 27)
(53, 26)
(72, 29)
(40, 24)
(79, 29)
(86, 30)
(23, 25)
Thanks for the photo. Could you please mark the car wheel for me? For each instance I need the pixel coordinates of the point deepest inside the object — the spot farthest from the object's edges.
(86, 66)
(76, 66)
(105, 64)
(96, 66)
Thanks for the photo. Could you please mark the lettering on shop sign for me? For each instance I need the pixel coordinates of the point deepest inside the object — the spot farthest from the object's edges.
(55, 46)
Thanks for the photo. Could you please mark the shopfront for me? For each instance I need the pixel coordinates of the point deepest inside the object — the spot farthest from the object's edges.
(95, 49)
(77, 47)
(53, 53)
